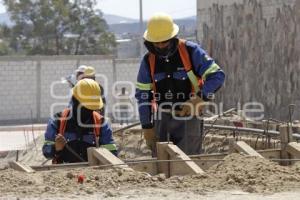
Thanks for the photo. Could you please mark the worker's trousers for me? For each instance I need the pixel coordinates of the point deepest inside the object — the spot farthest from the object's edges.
(185, 133)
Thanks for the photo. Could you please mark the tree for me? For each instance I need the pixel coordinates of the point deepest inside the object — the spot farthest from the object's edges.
(54, 27)
(4, 34)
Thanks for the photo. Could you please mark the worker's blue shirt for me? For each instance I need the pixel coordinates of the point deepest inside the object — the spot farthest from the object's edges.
(79, 139)
(172, 81)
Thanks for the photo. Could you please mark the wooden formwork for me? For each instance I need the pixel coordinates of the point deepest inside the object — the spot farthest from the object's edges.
(172, 161)
(169, 151)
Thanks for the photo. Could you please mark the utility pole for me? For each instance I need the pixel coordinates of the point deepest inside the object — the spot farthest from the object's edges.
(141, 29)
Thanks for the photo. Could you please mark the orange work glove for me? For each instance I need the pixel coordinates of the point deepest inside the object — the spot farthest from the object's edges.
(150, 137)
(192, 107)
(60, 142)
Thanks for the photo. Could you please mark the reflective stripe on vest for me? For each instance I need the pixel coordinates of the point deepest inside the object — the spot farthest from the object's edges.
(144, 86)
(96, 117)
(196, 82)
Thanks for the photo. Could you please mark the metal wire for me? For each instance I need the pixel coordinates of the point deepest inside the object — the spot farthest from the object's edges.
(85, 164)
(142, 161)
(219, 117)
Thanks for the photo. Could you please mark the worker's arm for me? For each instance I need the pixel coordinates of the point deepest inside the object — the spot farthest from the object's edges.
(205, 67)
(50, 134)
(51, 138)
(102, 111)
(143, 94)
(106, 139)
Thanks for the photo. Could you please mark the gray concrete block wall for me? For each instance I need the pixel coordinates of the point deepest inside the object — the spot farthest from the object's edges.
(26, 83)
(105, 76)
(18, 90)
(54, 71)
(127, 70)
(54, 93)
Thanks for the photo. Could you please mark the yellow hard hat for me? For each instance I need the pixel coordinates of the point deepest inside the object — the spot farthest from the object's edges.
(89, 71)
(88, 93)
(160, 28)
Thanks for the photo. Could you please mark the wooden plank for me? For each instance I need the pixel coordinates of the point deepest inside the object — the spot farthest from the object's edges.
(232, 141)
(92, 160)
(205, 165)
(294, 149)
(106, 157)
(162, 154)
(150, 168)
(21, 167)
(285, 137)
(242, 147)
(181, 168)
(270, 153)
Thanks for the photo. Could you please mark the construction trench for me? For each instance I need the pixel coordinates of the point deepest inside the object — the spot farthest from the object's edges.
(249, 161)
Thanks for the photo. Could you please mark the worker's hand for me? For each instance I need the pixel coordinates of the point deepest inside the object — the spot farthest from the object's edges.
(60, 142)
(192, 107)
(150, 137)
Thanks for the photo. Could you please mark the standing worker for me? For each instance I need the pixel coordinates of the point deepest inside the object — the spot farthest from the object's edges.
(76, 128)
(175, 78)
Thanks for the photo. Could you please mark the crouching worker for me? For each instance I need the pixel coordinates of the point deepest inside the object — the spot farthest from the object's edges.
(75, 129)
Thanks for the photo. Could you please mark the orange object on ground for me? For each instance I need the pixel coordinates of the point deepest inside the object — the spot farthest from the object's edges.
(81, 178)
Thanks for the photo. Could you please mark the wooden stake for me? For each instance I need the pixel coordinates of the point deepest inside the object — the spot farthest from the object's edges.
(286, 137)
(163, 155)
(167, 151)
(104, 156)
(181, 168)
(92, 160)
(242, 147)
(294, 149)
(20, 167)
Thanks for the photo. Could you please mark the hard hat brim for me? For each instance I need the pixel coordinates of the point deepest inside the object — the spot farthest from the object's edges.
(94, 105)
(91, 105)
(167, 37)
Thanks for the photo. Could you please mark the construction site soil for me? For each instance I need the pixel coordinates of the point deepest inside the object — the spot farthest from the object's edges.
(236, 172)
(236, 176)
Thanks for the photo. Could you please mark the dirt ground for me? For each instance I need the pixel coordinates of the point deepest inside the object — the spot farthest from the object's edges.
(236, 173)
(235, 178)
(166, 194)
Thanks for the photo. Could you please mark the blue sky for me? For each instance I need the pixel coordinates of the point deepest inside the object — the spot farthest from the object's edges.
(130, 8)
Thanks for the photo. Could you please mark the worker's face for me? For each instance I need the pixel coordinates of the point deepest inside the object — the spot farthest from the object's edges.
(162, 47)
(79, 76)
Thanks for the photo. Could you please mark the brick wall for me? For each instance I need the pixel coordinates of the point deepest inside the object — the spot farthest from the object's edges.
(18, 90)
